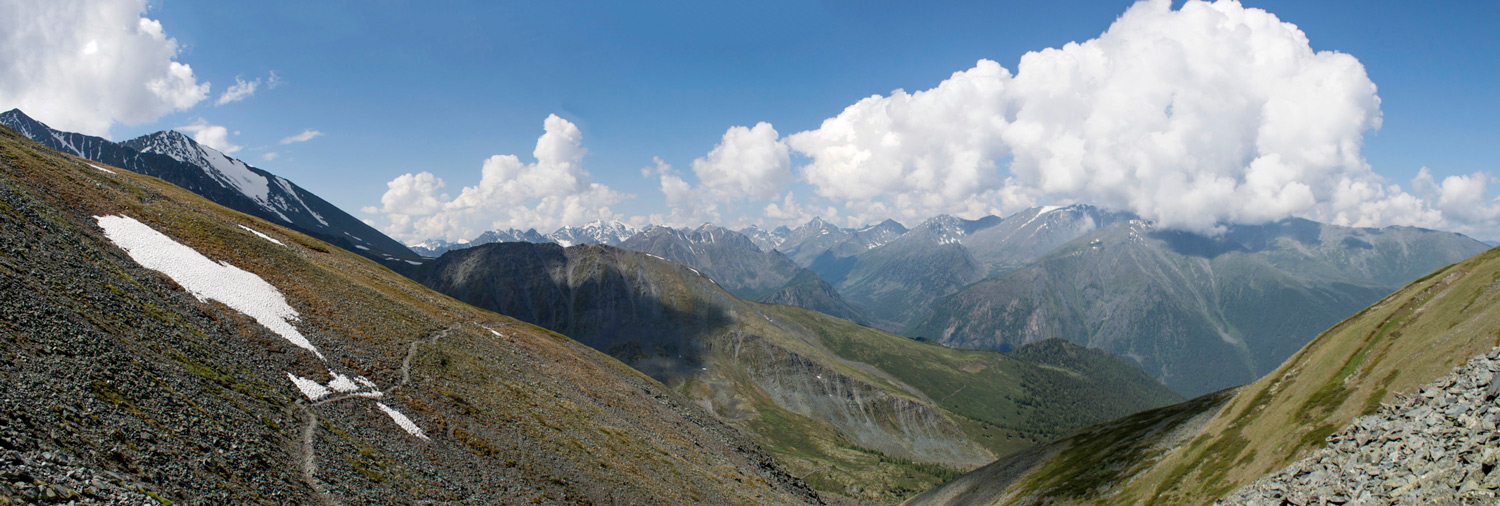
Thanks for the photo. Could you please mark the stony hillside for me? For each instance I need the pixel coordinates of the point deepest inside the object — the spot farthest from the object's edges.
(154, 344)
(1437, 445)
(1200, 450)
(1193, 311)
(855, 411)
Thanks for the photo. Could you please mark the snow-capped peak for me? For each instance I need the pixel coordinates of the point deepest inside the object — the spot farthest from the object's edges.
(229, 171)
(597, 232)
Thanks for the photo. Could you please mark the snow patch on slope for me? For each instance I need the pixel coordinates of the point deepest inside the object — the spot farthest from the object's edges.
(205, 279)
(402, 420)
(242, 291)
(312, 389)
(262, 236)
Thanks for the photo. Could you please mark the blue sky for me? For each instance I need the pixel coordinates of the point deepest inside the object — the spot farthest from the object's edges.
(408, 87)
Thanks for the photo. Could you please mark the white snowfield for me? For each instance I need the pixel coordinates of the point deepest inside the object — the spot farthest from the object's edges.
(242, 291)
(262, 236)
(101, 168)
(402, 420)
(205, 279)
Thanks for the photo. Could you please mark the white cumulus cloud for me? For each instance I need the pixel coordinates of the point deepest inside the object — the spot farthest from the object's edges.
(86, 65)
(749, 163)
(305, 136)
(551, 192)
(213, 136)
(1209, 114)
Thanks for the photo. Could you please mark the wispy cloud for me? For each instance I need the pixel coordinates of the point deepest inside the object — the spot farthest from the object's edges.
(241, 90)
(305, 136)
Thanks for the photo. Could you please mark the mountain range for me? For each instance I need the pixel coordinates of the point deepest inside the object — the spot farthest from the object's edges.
(1194, 311)
(230, 182)
(1400, 395)
(871, 414)
(595, 232)
(1188, 308)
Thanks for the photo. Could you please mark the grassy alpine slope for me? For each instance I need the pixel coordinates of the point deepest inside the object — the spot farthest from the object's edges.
(854, 410)
(1194, 452)
(116, 384)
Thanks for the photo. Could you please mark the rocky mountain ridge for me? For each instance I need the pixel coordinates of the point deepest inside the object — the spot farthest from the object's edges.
(230, 182)
(595, 232)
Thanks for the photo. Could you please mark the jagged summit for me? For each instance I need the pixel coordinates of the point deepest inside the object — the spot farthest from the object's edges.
(595, 232)
(767, 240)
(231, 172)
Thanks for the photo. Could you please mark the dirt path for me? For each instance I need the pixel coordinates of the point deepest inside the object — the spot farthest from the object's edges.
(309, 457)
(307, 453)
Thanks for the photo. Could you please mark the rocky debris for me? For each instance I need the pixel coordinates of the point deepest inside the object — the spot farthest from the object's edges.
(1436, 446)
(40, 477)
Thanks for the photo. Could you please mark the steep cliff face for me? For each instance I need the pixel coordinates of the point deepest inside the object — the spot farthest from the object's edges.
(865, 409)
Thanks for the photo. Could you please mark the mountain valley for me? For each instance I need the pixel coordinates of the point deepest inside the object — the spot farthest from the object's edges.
(868, 412)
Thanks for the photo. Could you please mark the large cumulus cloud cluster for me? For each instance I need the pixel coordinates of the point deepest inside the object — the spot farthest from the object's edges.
(552, 191)
(1194, 118)
(84, 65)
(1198, 117)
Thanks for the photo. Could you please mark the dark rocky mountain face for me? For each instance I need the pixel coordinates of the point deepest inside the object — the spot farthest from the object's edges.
(729, 257)
(1199, 313)
(807, 290)
(809, 241)
(875, 414)
(177, 159)
(279, 369)
(433, 248)
(1026, 236)
(896, 282)
(865, 239)
(1391, 406)
(766, 240)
